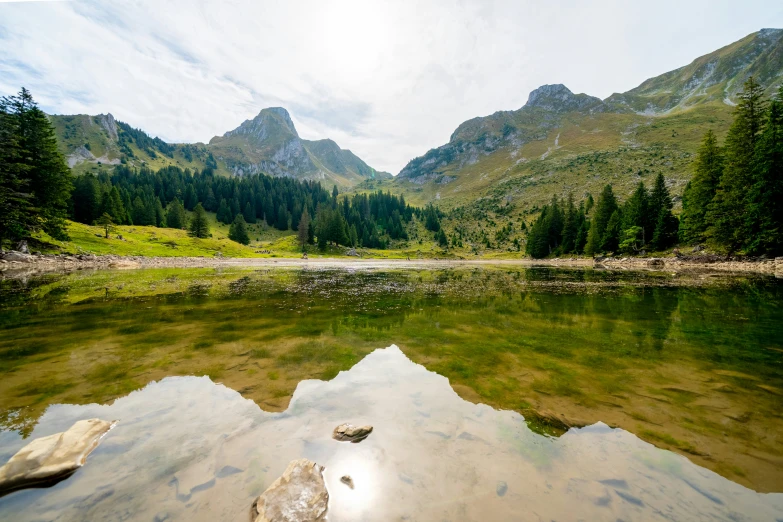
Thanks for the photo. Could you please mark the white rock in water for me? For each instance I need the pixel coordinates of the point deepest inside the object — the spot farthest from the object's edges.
(53, 458)
(349, 432)
(299, 495)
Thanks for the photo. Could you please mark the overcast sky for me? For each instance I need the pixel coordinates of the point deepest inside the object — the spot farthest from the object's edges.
(388, 80)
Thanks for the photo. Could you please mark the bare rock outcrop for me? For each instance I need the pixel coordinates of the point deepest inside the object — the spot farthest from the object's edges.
(50, 459)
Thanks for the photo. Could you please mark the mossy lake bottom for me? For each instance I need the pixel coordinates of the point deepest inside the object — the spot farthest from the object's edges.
(692, 364)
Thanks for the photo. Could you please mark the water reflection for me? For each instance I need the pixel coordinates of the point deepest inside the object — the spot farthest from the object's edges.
(688, 366)
(188, 449)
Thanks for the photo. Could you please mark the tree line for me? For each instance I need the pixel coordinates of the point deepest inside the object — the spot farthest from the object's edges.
(644, 221)
(734, 202)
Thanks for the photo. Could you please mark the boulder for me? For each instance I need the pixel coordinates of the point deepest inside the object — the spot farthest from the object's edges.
(22, 247)
(48, 460)
(299, 495)
(17, 256)
(351, 433)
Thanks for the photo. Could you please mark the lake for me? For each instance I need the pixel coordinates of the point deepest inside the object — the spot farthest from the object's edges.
(496, 393)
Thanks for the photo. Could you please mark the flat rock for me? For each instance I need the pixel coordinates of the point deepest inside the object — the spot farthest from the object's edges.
(351, 433)
(47, 460)
(299, 495)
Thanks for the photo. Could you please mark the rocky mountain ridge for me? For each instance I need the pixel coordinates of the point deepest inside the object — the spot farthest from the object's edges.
(268, 143)
(577, 141)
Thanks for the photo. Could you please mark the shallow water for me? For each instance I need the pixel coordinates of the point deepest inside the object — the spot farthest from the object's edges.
(691, 364)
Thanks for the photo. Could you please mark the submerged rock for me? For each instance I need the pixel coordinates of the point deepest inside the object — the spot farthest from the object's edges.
(351, 433)
(50, 459)
(299, 495)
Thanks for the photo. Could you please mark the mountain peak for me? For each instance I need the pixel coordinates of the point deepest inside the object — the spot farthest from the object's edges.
(272, 122)
(559, 98)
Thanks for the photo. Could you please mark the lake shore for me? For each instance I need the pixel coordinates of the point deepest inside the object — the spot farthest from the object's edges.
(12, 262)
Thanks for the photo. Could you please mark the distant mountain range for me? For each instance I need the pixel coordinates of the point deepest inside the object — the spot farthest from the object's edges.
(558, 142)
(561, 142)
(268, 143)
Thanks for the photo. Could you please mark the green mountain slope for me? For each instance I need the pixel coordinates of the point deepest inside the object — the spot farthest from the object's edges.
(268, 143)
(512, 162)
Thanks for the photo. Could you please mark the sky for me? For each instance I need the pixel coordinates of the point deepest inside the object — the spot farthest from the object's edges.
(387, 80)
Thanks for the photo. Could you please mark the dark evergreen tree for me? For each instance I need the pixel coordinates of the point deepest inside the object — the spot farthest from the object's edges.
(17, 215)
(764, 219)
(700, 190)
(238, 230)
(727, 213)
(571, 225)
(175, 215)
(224, 213)
(636, 213)
(604, 209)
(303, 229)
(37, 166)
(611, 238)
(249, 213)
(665, 228)
(199, 226)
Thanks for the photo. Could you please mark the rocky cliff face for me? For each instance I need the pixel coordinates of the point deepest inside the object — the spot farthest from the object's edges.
(269, 143)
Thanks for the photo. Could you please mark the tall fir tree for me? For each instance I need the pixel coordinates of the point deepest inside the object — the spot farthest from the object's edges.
(47, 178)
(175, 215)
(238, 230)
(602, 213)
(764, 219)
(199, 225)
(700, 190)
(728, 208)
(636, 212)
(17, 215)
(665, 225)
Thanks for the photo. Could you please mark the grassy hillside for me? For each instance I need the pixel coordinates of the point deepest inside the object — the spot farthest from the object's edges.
(265, 242)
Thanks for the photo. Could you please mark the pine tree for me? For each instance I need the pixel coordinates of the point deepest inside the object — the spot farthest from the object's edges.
(199, 226)
(700, 190)
(49, 176)
(636, 213)
(282, 218)
(107, 223)
(303, 229)
(604, 209)
(249, 213)
(190, 198)
(570, 227)
(764, 220)
(665, 227)
(17, 215)
(224, 213)
(443, 241)
(611, 238)
(728, 209)
(175, 215)
(238, 230)
(160, 216)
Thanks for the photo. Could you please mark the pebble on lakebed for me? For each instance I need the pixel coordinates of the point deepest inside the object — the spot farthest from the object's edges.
(351, 433)
(50, 459)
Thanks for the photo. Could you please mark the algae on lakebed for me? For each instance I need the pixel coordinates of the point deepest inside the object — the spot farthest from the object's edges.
(691, 365)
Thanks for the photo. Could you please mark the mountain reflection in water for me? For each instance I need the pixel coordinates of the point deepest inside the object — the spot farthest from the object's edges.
(186, 448)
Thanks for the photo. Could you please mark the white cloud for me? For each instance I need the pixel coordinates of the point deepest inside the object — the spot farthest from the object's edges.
(388, 80)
